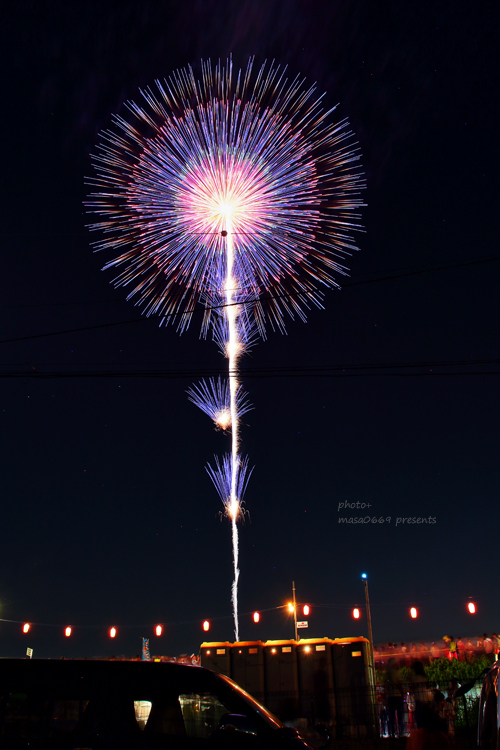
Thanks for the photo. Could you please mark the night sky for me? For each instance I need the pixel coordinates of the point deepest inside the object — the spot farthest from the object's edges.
(388, 396)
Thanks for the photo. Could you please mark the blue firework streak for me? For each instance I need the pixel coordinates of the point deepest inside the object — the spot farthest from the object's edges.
(236, 192)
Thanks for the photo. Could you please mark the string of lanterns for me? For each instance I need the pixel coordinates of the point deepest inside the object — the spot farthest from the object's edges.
(356, 614)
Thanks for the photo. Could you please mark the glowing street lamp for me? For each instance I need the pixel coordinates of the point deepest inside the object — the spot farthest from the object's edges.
(294, 608)
(364, 578)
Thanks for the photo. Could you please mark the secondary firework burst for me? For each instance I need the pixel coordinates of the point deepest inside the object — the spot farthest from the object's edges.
(237, 191)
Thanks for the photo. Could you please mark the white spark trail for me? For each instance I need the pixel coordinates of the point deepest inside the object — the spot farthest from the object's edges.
(233, 349)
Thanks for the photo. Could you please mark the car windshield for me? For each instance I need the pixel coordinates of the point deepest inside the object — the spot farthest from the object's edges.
(261, 710)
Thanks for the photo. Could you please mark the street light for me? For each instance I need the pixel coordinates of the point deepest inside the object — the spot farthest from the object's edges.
(364, 578)
(294, 606)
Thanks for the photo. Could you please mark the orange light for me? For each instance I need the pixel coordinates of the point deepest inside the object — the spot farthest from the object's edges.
(472, 608)
(112, 632)
(26, 627)
(158, 630)
(291, 608)
(273, 650)
(356, 613)
(256, 617)
(67, 632)
(307, 649)
(306, 609)
(206, 626)
(414, 613)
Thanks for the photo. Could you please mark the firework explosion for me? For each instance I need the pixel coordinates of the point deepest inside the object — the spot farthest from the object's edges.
(237, 192)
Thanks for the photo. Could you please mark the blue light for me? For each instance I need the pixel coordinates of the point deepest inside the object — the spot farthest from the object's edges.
(363, 575)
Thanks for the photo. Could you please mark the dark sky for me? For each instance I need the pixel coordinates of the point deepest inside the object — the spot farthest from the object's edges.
(108, 515)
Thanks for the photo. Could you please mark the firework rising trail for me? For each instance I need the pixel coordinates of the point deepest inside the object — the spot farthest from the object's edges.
(236, 191)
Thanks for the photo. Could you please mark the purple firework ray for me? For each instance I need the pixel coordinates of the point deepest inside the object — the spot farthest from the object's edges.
(235, 191)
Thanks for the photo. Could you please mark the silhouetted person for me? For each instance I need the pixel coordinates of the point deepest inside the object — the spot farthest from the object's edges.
(430, 735)
(395, 702)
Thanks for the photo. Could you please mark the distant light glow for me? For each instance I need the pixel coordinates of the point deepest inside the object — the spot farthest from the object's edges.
(413, 612)
(307, 649)
(256, 617)
(206, 626)
(364, 576)
(306, 609)
(26, 627)
(356, 613)
(472, 608)
(291, 608)
(112, 632)
(158, 630)
(68, 631)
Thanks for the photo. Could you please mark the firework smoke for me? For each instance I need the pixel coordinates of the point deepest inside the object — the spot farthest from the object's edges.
(237, 192)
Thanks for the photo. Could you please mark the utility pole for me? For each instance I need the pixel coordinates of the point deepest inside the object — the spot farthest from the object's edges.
(294, 611)
(369, 623)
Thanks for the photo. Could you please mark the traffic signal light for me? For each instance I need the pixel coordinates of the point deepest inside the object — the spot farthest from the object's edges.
(158, 630)
(112, 632)
(413, 613)
(306, 610)
(206, 626)
(26, 627)
(356, 613)
(471, 607)
(256, 616)
(68, 631)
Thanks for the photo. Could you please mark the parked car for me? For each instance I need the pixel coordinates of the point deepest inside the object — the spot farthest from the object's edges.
(488, 737)
(71, 704)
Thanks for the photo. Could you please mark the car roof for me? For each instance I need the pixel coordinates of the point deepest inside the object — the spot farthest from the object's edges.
(121, 674)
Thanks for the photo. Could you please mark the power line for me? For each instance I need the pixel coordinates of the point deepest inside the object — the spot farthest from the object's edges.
(202, 310)
(391, 369)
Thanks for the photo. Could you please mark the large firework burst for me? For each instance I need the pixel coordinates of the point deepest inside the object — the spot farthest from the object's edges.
(235, 191)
